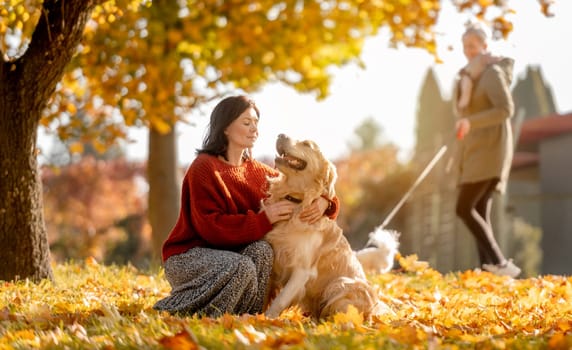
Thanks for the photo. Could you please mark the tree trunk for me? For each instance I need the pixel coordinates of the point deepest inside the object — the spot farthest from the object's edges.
(25, 251)
(26, 84)
(163, 177)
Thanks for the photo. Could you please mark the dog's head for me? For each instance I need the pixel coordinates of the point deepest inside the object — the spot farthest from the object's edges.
(304, 167)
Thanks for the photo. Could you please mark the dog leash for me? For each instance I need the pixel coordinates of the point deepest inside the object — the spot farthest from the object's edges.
(453, 140)
(420, 178)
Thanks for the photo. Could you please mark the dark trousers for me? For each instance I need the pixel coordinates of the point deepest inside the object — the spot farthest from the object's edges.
(474, 208)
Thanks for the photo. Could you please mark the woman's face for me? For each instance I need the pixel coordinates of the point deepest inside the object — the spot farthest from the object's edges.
(243, 131)
(473, 46)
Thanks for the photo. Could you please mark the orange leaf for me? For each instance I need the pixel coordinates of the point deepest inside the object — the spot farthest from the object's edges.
(564, 325)
(285, 339)
(227, 321)
(91, 261)
(180, 341)
(408, 335)
(559, 341)
(352, 317)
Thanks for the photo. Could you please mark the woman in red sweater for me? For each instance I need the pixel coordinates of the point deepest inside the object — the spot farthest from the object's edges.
(214, 257)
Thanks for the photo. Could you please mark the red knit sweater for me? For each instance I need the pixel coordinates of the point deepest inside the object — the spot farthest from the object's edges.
(220, 206)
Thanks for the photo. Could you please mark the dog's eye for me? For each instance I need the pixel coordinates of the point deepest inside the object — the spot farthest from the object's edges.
(307, 144)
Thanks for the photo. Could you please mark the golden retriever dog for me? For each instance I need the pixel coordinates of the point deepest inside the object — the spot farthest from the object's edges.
(314, 265)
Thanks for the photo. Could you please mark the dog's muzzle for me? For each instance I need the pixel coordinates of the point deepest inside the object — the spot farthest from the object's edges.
(291, 162)
(282, 144)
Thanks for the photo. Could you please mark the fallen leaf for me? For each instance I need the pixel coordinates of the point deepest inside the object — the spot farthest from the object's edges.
(180, 341)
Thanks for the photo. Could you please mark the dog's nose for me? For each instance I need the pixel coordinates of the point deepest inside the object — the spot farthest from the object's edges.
(281, 136)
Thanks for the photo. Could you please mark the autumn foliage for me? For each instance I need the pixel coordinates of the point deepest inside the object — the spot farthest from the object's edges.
(95, 306)
(97, 208)
(144, 63)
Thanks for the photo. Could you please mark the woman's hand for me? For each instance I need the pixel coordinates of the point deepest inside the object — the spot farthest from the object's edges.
(314, 211)
(279, 211)
(462, 128)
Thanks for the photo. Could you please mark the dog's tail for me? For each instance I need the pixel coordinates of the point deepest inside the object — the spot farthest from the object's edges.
(378, 255)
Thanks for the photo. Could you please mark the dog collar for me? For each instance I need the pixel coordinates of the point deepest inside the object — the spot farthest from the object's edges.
(293, 199)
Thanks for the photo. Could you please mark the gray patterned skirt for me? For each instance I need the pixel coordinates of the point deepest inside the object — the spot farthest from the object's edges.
(211, 282)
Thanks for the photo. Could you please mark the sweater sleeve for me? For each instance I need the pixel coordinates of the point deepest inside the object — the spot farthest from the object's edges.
(333, 209)
(216, 217)
(499, 94)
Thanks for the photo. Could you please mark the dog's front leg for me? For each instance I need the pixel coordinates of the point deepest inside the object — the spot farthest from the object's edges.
(293, 289)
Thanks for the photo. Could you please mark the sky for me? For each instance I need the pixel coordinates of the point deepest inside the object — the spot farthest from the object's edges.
(388, 88)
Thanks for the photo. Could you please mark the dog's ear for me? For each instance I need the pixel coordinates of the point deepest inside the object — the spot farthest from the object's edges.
(330, 179)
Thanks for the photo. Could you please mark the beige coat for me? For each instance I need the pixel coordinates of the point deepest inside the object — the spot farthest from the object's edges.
(486, 151)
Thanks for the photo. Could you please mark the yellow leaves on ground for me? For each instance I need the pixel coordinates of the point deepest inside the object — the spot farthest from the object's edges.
(91, 305)
(408, 335)
(560, 341)
(351, 318)
(475, 306)
(412, 264)
(180, 341)
(288, 337)
(249, 335)
(91, 262)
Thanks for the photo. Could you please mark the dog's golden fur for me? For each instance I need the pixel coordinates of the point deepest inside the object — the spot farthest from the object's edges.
(314, 265)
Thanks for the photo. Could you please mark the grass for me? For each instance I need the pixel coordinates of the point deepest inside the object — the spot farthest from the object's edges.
(93, 306)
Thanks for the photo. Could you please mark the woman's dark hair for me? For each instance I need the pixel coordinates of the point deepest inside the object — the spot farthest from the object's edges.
(225, 112)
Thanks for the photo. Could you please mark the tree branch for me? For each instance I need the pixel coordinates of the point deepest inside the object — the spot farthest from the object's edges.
(53, 44)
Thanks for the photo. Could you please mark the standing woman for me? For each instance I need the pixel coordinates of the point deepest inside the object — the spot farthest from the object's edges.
(214, 257)
(486, 149)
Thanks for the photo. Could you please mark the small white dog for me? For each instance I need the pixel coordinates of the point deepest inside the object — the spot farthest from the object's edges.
(378, 256)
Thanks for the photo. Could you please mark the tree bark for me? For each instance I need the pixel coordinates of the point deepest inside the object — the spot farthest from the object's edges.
(163, 177)
(26, 85)
(25, 251)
